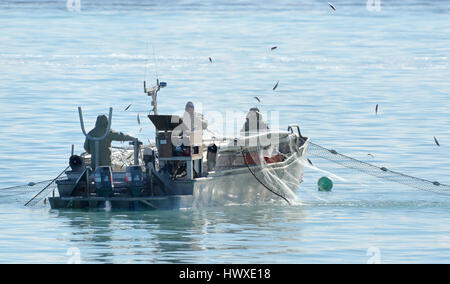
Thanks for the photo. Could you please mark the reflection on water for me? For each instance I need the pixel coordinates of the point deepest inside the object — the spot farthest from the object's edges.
(173, 236)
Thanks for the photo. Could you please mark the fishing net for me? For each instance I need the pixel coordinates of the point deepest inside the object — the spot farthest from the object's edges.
(51, 187)
(22, 189)
(121, 157)
(281, 181)
(43, 193)
(265, 171)
(270, 171)
(380, 172)
(22, 193)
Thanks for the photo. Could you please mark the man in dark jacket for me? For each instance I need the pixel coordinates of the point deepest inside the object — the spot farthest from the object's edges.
(104, 149)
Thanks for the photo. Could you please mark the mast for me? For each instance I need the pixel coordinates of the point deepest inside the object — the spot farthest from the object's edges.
(153, 92)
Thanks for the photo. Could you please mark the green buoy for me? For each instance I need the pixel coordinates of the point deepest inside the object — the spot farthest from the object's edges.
(325, 184)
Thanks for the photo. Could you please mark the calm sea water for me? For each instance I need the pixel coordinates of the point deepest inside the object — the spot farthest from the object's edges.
(333, 67)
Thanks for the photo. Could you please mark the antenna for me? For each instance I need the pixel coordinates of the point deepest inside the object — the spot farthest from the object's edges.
(154, 60)
(153, 92)
(146, 62)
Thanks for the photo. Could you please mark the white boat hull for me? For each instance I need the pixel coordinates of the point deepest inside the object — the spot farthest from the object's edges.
(248, 185)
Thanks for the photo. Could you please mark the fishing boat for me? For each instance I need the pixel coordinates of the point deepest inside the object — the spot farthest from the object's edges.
(253, 168)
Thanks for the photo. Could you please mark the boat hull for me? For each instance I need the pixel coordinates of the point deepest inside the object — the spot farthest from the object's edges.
(170, 202)
(250, 185)
(243, 185)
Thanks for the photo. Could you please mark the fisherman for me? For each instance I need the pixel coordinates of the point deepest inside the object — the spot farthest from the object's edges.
(254, 122)
(193, 118)
(191, 131)
(104, 150)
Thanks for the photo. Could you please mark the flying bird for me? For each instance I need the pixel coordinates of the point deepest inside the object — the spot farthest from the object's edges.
(257, 99)
(127, 107)
(138, 119)
(276, 85)
(210, 60)
(376, 110)
(332, 7)
(273, 48)
(435, 141)
(370, 155)
(310, 162)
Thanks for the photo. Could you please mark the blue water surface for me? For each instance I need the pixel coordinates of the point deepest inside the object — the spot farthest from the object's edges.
(333, 68)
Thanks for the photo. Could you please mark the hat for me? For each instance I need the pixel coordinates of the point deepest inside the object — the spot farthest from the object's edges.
(189, 105)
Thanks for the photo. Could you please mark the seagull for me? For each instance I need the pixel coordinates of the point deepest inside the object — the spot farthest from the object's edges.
(138, 119)
(435, 141)
(332, 7)
(127, 107)
(276, 85)
(210, 60)
(376, 110)
(310, 162)
(257, 99)
(273, 48)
